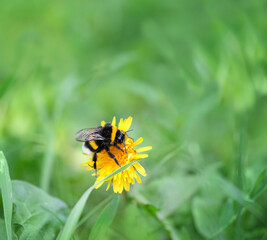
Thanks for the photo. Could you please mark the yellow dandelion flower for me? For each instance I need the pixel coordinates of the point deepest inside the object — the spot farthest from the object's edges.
(106, 165)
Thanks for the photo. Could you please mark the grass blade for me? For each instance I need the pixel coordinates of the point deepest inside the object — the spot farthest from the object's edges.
(47, 167)
(104, 220)
(95, 209)
(76, 212)
(260, 185)
(6, 188)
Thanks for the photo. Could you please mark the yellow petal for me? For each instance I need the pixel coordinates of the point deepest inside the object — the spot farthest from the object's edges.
(131, 172)
(121, 188)
(140, 169)
(120, 124)
(138, 156)
(126, 186)
(138, 179)
(103, 123)
(143, 149)
(113, 121)
(85, 164)
(127, 123)
(115, 187)
(130, 180)
(138, 141)
(108, 185)
(99, 185)
(119, 177)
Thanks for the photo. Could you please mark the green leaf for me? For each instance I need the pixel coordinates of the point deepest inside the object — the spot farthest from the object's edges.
(76, 212)
(6, 85)
(232, 191)
(96, 208)
(135, 223)
(205, 219)
(260, 185)
(208, 218)
(104, 220)
(6, 188)
(184, 234)
(227, 215)
(37, 215)
(154, 212)
(3, 229)
(150, 209)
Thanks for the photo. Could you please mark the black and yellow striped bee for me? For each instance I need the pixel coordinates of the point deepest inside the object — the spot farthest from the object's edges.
(100, 139)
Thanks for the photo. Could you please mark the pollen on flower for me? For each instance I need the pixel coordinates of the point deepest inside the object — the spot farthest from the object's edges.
(106, 165)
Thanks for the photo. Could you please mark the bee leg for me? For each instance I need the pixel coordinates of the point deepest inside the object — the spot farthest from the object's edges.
(117, 146)
(112, 156)
(99, 149)
(94, 160)
(124, 146)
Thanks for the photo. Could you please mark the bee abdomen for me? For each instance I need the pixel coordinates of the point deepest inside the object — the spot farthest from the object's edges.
(86, 149)
(92, 146)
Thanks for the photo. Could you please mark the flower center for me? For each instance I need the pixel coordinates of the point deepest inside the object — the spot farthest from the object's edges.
(104, 160)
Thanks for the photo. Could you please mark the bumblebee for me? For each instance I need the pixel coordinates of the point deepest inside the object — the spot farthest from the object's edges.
(101, 139)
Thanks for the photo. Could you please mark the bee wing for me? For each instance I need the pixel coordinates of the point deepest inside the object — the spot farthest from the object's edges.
(88, 134)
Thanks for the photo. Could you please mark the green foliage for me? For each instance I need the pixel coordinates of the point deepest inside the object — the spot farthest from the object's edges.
(193, 76)
(3, 229)
(260, 185)
(104, 220)
(77, 210)
(6, 190)
(208, 219)
(36, 214)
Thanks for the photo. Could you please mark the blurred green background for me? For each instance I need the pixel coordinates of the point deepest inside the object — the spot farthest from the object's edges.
(193, 76)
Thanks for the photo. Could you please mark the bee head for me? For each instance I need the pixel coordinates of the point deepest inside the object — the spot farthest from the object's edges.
(120, 136)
